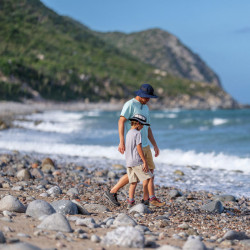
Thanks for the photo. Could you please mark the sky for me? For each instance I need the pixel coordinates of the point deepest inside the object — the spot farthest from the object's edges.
(217, 30)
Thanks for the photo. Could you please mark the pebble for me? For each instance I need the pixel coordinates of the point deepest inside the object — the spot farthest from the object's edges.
(194, 244)
(23, 235)
(95, 238)
(213, 206)
(184, 226)
(88, 222)
(54, 190)
(96, 208)
(56, 222)
(65, 207)
(124, 220)
(81, 209)
(39, 208)
(233, 235)
(73, 191)
(2, 238)
(224, 198)
(17, 188)
(20, 246)
(124, 237)
(140, 208)
(174, 193)
(8, 213)
(23, 174)
(11, 204)
(168, 247)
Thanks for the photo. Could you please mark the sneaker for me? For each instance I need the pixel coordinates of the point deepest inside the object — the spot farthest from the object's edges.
(131, 203)
(112, 198)
(154, 202)
(145, 202)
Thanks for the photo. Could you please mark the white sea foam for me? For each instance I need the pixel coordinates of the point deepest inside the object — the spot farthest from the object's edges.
(207, 160)
(52, 121)
(159, 116)
(219, 121)
(174, 157)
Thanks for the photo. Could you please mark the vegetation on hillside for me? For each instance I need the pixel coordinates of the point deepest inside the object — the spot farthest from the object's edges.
(61, 59)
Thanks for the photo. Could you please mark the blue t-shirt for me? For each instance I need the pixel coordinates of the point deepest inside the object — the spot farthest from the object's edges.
(131, 108)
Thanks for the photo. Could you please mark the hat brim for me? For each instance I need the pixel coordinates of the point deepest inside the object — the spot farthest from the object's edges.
(143, 95)
(138, 120)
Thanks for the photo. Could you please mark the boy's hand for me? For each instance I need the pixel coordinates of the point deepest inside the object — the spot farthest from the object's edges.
(157, 151)
(121, 148)
(145, 167)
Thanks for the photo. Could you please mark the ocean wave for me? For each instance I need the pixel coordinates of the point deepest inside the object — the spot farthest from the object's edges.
(219, 121)
(173, 157)
(52, 121)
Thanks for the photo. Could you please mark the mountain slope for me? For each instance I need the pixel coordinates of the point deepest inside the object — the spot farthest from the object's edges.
(47, 56)
(164, 51)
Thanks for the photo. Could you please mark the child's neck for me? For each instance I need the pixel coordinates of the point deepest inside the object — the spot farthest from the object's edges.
(134, 127)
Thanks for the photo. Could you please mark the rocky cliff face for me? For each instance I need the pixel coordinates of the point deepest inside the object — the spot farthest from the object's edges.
(164, 51)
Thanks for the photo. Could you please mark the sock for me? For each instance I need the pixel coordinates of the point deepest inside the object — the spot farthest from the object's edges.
(131, 200)
(151, 197)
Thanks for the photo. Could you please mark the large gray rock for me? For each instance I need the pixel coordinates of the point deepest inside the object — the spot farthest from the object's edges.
(224, 198)
(233, 235)
(12, 204)
(124, 220)
(20, 246)
(39, 208)
(140, 208)
(65, 207)
(56, 222)
(124, 237)
(213, 206)
(96, 208)
(194, 244)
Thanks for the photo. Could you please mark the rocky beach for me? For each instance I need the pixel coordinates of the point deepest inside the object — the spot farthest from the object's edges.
(56, 202)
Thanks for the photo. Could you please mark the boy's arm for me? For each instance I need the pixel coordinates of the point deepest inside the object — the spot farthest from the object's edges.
(152, 140)
(140, 152)
(121, 147)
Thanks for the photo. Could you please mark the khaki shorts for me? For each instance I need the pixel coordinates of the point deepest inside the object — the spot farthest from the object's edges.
(148, 157)
(136, 174)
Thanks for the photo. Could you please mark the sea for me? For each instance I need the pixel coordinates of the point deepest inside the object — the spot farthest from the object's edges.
(210, 147)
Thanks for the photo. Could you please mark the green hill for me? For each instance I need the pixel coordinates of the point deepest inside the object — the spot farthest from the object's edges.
(45, 55)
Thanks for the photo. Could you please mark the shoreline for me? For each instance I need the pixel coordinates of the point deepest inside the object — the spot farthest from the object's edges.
(10, 108)
(185, 216)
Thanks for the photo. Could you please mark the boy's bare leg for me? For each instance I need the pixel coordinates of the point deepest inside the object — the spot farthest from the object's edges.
(148, 188)
(132, 190)
(121, 183)
(146, 192)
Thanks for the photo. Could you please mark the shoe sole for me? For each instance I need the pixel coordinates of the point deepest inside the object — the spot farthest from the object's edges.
(152, 206)
(110, 201)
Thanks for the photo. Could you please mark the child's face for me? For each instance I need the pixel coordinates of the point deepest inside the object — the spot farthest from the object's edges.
(140, 126)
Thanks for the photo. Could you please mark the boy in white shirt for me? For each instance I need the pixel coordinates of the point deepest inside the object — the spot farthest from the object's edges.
(137, 168)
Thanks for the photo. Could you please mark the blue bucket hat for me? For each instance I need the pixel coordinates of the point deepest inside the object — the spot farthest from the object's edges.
(146, 91)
